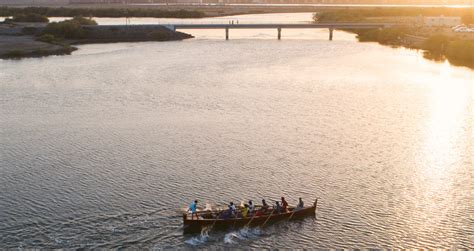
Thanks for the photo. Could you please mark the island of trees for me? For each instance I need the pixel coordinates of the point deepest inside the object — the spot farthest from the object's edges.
(57, 38)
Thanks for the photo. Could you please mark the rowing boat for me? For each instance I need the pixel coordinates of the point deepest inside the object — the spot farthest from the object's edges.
(208, 218)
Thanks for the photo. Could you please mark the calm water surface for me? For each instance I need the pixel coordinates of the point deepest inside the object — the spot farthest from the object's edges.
(101, 149)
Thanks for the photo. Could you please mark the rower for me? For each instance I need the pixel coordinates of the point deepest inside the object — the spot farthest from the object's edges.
(300, 203)
(193, 209)
(245, 211)
(263, 209)
(284, 205)
(277, 207)
(264, 206)
(251, 207)
(232, 209)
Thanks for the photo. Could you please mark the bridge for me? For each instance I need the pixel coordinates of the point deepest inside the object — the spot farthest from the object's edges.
(280, 26)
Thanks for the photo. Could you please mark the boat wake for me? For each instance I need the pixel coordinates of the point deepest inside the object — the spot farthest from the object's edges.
(229, 238)
(196, 241)
(242, 234)
(199, 240)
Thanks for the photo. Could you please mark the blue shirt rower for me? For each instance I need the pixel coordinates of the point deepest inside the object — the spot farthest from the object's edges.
(193, 209)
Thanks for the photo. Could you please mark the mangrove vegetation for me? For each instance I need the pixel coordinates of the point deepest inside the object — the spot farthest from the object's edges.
(28, 18)
(68, 29)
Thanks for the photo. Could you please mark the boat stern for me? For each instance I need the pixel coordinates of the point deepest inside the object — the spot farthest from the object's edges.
(185, 218)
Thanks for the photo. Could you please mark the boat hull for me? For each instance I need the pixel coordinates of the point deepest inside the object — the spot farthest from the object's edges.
(196, 225)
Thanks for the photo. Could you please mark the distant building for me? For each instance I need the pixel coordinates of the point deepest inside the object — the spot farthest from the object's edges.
(441, 21)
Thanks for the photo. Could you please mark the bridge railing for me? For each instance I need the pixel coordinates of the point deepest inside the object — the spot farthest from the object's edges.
(228, 22)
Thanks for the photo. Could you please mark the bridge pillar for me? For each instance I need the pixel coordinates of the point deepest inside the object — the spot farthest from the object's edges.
(226, 33)
(279, 33)
(330, 33)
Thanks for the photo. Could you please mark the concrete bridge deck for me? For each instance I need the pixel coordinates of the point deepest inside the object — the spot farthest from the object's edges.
(277, 26)
(280, 26)
(284, 25)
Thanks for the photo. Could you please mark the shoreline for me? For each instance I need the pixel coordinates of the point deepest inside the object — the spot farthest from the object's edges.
(438, 42)
(413, 42)
(16, 43)
(414, 37)
(18, 46)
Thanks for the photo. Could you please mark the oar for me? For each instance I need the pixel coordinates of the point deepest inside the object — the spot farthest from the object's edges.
(217, 218)
(291, 216)
(253, 216)
(268, 217)
(235, 218)
(315, 204)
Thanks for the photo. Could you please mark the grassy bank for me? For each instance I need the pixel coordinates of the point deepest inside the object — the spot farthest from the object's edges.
(436, 46)
(100, 12)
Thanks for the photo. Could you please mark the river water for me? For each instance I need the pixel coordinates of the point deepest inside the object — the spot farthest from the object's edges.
(101, 149)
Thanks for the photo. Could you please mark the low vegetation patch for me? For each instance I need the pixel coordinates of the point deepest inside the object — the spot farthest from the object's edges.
(84, 21)
(47, 38)
(68, 29)
(436, 44)
(455, 50)
(14, 54)
(39, 52)
(384, 36)
(461, 50)
(30, 18)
